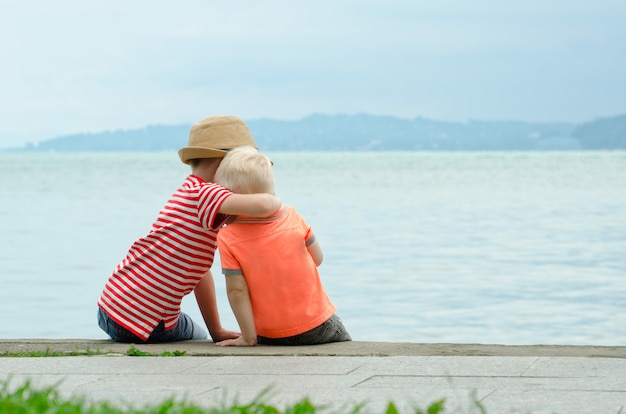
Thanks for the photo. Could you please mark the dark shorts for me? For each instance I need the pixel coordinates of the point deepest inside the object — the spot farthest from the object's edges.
(185, 329)
(330, 331)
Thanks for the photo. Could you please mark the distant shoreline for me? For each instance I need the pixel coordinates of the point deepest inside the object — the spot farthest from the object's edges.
(365, 132)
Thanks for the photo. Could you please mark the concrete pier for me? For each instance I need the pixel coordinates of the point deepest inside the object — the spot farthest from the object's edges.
(339, 376)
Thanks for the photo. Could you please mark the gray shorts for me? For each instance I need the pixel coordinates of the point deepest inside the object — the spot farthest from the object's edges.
(330, 331)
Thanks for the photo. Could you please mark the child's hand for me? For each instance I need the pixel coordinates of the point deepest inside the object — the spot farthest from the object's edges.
(236, 342)
(223, 334)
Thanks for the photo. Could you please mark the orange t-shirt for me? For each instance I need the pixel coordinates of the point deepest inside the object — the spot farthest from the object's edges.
(285, 289)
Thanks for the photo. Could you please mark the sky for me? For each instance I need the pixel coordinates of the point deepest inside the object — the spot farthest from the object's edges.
(70, 66)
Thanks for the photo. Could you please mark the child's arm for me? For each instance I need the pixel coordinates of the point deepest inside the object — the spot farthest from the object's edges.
(205, 296)
(239, 299)
(315, 250)
(257, 205)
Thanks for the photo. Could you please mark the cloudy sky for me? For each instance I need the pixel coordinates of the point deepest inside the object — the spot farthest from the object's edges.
(73, 66)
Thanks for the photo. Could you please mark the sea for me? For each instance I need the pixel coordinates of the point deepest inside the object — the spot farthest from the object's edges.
(514, 248)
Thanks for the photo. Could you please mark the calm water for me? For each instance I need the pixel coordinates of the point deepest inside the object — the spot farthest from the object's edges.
(513, 248)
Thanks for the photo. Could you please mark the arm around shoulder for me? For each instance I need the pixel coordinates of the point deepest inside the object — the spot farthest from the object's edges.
(257, 205)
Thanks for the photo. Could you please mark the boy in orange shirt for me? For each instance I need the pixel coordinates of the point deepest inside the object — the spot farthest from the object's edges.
(270, 265)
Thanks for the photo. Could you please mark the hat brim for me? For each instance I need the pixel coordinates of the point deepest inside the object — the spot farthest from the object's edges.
(189, 153)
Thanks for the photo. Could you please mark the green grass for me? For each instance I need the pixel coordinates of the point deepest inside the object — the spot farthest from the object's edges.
(49, 353)
(27, 400)
(132, 351)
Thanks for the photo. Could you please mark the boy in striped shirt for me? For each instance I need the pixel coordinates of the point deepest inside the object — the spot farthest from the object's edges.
(141, 299)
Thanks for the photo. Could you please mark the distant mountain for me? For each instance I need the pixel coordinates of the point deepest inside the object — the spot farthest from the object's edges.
(386, 133)
(364, 132)
(150, 138)
(604, 133)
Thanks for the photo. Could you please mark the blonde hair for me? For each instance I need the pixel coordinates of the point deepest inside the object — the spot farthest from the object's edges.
(245, 170)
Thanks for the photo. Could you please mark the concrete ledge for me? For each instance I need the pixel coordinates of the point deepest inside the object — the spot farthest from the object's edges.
(354, 348)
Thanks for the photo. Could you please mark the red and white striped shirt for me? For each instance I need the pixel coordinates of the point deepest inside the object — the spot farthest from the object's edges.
(161, 268)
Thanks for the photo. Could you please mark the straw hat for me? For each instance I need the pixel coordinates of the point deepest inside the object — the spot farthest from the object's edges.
(214, 136)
